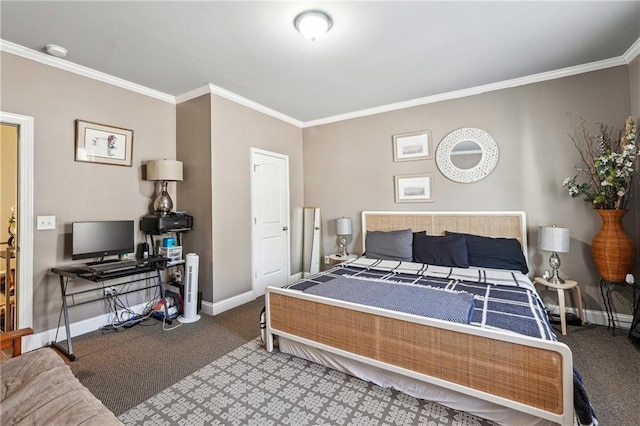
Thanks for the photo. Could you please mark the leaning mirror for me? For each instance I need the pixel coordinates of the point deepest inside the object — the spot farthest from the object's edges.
(467, 155)
(310, 240)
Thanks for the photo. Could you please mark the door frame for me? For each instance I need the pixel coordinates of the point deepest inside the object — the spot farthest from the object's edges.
(284, 157)
(24, 276)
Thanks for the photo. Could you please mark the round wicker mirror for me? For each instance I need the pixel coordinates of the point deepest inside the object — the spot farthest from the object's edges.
(467, 155)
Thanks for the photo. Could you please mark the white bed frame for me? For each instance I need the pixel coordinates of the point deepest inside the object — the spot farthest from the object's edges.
(530, 375)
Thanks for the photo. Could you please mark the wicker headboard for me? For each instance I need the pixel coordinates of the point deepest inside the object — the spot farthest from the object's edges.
(507, 224)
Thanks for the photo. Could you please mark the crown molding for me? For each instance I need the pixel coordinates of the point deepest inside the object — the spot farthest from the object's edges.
(195, 93)
(253, 105)
(216, 90)
(506, 84)
(632, 52)
(16, 49)
(24, 52)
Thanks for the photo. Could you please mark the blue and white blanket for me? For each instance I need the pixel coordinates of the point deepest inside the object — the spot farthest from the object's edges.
(505, 300)
(447, 305)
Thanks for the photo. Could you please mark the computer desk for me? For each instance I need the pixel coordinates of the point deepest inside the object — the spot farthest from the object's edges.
(71, 272)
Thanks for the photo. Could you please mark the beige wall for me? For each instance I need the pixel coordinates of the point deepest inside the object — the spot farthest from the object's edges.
(349, 165)
(76, 191)
(234, 130)
(194, 150)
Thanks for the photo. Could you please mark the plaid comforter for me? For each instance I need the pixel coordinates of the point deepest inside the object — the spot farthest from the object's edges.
(505, 300)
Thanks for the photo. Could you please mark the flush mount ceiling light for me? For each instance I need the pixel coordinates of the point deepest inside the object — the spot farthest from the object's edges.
(313, 24)
(55, 50)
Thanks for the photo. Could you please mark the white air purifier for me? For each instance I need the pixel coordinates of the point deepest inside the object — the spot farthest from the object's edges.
(190, 298)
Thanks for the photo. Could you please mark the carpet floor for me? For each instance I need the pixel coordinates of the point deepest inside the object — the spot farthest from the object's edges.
(249, 386)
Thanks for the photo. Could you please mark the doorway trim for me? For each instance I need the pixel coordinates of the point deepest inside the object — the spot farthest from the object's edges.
(25, 215)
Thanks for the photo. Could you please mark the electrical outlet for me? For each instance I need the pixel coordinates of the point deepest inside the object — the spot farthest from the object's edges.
(326, 260)
(45, 222)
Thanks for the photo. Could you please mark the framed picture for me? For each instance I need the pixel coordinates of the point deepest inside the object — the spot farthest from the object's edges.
(414, 188)
(412, 146)
(99, 143)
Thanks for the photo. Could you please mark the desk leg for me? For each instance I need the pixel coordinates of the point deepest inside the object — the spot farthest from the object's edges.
(68, 351)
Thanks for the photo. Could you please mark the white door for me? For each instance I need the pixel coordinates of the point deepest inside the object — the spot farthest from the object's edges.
(270, 217)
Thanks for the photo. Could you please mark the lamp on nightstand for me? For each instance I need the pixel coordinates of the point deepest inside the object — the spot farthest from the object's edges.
(343, 229)
(164, 171)
(555, 240)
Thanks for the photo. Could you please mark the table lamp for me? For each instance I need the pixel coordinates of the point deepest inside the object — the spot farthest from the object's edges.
(164, 171)
(343, 229)
(555, 240)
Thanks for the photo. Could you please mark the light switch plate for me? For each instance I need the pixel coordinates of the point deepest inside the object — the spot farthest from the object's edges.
(46, 222)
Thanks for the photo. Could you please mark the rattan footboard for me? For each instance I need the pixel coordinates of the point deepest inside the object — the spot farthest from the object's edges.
(529, 375)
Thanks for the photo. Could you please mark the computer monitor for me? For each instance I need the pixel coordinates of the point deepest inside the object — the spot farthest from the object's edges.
(101, 238)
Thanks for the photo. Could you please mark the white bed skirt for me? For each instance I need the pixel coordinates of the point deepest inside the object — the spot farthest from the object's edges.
(411, 386)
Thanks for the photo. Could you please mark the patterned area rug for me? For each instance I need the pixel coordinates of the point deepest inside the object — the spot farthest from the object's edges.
(249, 386)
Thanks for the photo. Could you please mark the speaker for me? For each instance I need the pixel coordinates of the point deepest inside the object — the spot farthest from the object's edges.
(190, 298)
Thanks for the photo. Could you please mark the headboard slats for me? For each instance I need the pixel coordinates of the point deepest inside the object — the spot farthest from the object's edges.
(507, 224)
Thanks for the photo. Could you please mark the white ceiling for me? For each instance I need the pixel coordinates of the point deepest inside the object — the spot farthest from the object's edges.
(376, 54)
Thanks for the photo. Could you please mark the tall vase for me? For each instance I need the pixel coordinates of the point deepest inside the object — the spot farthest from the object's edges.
(613, 250)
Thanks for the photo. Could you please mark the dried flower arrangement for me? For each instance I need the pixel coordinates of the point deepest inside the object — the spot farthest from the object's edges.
(609, 165)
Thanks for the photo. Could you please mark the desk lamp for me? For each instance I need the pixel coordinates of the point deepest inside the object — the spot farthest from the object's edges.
(343, 229)
(554, 239)
(164, 171)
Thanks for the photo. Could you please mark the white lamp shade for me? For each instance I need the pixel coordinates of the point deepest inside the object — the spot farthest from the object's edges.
(552, 238)
(164, 170)
(343, 226)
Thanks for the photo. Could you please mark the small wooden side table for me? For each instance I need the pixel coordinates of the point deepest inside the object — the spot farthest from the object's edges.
(567, 285)
(334, 259)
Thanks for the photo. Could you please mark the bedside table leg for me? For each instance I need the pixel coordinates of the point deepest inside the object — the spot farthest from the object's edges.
(563, 319)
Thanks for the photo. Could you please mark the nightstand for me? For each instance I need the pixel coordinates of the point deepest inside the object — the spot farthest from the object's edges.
(567, 285)
(334, 259)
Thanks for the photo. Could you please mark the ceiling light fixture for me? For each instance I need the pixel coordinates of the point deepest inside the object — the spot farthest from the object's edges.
(313, 24)
(55, 50)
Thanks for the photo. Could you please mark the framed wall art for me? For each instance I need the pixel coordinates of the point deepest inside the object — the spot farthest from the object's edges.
(99, 143)
(414, 188)
(412, 146)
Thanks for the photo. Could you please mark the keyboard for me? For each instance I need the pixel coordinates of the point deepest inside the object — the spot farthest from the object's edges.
(121, 265)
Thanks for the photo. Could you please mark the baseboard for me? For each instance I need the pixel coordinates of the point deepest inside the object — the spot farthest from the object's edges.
(226, 304)
(295, 277)
(232, 302)
(597, 317)
(44, 338)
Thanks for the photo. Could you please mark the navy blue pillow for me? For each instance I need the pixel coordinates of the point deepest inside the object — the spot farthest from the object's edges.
(443, 250)
(498, 253)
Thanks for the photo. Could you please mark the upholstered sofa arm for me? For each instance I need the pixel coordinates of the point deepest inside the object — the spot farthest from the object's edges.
(39, 388)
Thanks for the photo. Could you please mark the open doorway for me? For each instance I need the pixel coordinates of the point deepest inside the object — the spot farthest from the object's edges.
(20, 263)
(8, 221)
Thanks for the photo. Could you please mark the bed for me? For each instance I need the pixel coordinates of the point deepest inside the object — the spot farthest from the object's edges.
(480, 366)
